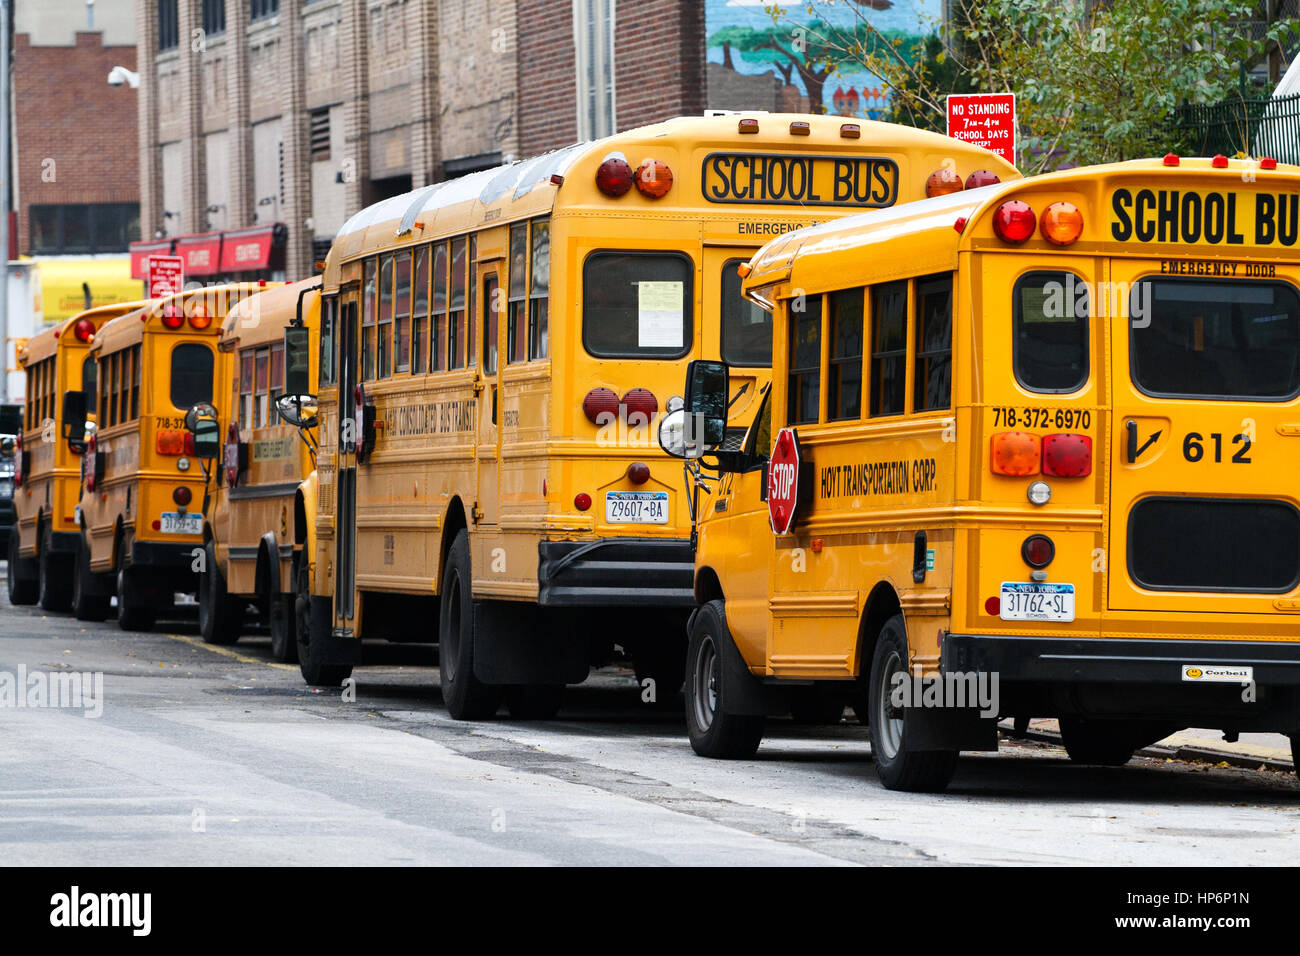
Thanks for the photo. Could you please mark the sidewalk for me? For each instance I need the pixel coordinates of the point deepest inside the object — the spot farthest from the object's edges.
(1252, 751)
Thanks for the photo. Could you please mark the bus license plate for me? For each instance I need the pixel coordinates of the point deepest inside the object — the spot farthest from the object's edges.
(636, 507)
(174, 522)
(1024, 601)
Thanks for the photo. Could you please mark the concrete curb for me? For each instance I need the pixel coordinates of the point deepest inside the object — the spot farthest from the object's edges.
(1186, 752)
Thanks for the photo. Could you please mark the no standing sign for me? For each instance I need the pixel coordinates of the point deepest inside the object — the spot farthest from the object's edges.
(985, 119)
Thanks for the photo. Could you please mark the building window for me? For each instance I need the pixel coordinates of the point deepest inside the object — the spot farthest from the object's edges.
(593, 43)
(82, 227)
(261, 9)
(168, 25)
(214, 17)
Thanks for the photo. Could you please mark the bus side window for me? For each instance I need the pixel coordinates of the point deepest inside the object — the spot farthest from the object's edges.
(384, 347)
(402, 313)
(369, 309)
(539, 278)
(516, 320)
(438, 321)
(933, 383)
(138, 366)
(805, 359)
(844, 401)
(328, 315)
(420, 312)
(888, 348)
(246, 389)
(758, 446)
(456, 314)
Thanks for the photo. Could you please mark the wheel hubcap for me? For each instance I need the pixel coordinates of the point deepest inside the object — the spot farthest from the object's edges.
(705, 684)
(889, 719)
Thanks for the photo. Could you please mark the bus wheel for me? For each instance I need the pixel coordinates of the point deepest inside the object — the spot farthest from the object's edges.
(1106, 743)
(463, 694)
(314, 672)
(86, 604)
(900, 768)
(534, 701)
(281, 617)
(1295, 752)
(55, 594)
(132, 613)
(712, 731)
(219, 616)
(22, 589)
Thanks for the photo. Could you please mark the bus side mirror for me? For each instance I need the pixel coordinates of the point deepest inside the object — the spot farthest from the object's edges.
(73, 416)
(297, 361)
(299, 410)
(201, 423)
(707, 387)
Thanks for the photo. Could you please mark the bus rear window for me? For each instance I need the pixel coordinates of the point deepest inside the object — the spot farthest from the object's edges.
(1051, 332)
(191, 375)
(1224, 339)
(746, 329)
(637, 305)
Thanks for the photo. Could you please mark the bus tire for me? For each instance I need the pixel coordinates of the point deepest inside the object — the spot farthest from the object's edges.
(219, 616)
(315, 672)
(87, 604)
(281, 619)
(712, 731)
(1295, 752)
(534, 701)
(132, 613)
(22, 588)
(54, 587)
(1107, 743)
(899, 767)
(463, 694)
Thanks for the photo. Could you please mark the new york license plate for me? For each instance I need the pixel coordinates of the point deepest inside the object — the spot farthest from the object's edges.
(176, 522)
(1029, 601)
(636, 507)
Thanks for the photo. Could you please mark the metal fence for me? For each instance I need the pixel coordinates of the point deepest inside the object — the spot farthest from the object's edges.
(1256, 127)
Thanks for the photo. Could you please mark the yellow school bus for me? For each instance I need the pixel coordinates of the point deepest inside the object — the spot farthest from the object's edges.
(255, 527)
(141, 527)
(495, 351)
(1028, 451)
(46, 539)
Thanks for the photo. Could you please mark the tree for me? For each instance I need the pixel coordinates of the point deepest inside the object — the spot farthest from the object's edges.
(1095, 81)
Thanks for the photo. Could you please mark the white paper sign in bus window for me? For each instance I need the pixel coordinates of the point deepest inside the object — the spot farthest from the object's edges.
(660, 314)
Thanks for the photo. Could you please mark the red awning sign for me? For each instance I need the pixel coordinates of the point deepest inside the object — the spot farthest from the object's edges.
(247, 250)
(202, 253)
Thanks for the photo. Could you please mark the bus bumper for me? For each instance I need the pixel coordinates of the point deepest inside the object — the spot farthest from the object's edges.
(170, 564)
(65, 542)
(616, 572)
(1145, 661)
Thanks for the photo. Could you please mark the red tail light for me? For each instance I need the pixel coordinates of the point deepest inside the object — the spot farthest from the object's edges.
(182, 496)
(601, 402)
(582, 501)
(172, 317)
(1038, 551)
(189, 443)
(638, 473)
(614, 176)
(169, 441)
(993, 606)
(640, 401)
(1014, 221)
(84, 330)
(982, 177)
(1015, 454)
(1067, 456)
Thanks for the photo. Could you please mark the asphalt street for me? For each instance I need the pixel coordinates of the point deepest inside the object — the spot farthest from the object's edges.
(208, 755)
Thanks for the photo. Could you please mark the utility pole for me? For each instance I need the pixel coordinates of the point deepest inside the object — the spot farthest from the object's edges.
(6, 8)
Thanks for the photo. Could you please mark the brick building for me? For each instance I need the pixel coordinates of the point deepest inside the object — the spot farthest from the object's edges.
(264, 124)
(77, 179)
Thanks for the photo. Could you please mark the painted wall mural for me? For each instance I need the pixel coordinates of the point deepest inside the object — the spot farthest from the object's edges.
(798, 62)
